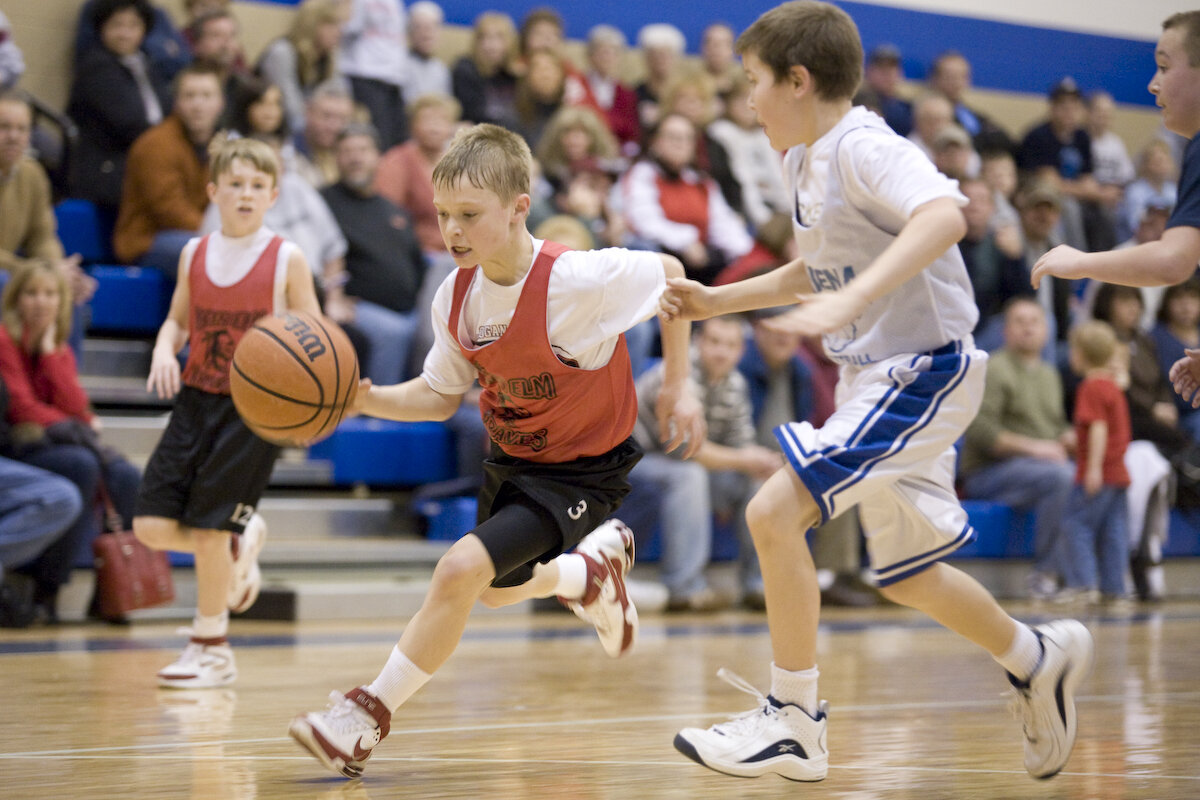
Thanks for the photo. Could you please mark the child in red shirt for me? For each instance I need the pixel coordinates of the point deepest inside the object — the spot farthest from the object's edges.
(1097, 541)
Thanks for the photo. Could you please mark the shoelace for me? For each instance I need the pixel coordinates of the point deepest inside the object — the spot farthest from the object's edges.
(746, 719)
(1021, 707)
(344, 714)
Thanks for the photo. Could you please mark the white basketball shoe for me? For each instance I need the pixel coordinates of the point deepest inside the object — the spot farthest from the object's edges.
(246, 580)
(608, 552)
(203, 664)
(1046, 702)
(342, 736)
(773, 738)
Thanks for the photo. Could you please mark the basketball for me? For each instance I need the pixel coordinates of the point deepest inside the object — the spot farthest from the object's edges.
(293, 377)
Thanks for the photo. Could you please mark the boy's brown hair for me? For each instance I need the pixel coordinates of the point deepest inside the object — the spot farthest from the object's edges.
(258, 154)
(1095, 341)
(489, 157)
(818, 36)
(1190, 22)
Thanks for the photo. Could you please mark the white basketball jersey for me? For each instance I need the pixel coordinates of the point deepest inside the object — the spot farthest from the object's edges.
(853, 190)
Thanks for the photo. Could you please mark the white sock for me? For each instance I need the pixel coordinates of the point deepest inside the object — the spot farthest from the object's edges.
(798, 688)
(210, 627)
(572, 576)
(1023, 656)
(398, 681)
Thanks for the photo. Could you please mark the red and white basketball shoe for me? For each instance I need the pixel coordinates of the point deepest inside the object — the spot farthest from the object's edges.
(608, 552)
(246, 580)
(342, 736)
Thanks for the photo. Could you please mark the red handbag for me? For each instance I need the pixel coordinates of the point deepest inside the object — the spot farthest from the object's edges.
(129, 575)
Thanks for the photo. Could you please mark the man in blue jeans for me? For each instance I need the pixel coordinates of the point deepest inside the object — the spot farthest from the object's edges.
(36, 508)
(1018, 450)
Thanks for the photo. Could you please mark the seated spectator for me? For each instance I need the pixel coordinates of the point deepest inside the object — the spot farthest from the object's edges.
(1039, 205)
(306, 57)
(36, 510)
(216, 41)
(670, 205)
(1178, 327)
(12, 62)
(755, 165)
(999, 169)
(425, 73)
(953, 154)
(543, 29)
(662, 46)
(165, 194)
(950, 76)
(1114, 168)
(258, 111)
(994, 263)
(384, 261)
(692, 93)
(578, 155)
(601, 87)
(27, 223)
(539, 94)
(682, 496)
(1061, 149)
(566, 230)
(58, 431)
(328, 111)
(166, 48)
(485, 80)
(882, 75)
(374, 57)
(932, 113)
(719, 59)
(1155, 183)
(405, 174)
(116, 96)
(1152, 409)
(1018, 449)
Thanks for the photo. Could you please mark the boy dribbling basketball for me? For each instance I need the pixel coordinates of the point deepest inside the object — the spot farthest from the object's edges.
(875, 225)
(207, 473)
(541, 328)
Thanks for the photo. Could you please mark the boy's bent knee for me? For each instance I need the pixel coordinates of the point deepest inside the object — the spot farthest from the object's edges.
(466, 568)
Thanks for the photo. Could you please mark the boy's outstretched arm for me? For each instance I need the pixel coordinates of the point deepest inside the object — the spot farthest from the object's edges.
(300, 294)
(680, 415)
(689, 300)
(411, 401)
(1166, 262)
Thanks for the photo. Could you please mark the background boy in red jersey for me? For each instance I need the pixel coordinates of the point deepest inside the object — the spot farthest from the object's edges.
(206, 475)
(541, 328)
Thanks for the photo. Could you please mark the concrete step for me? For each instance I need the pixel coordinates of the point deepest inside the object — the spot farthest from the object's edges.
(121, 358)
(121, 392)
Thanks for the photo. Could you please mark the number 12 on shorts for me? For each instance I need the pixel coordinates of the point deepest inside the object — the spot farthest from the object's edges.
(242, 514)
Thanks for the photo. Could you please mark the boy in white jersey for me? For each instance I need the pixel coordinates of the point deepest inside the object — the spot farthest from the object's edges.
(207, 473)
(541, 328)
(879, 276)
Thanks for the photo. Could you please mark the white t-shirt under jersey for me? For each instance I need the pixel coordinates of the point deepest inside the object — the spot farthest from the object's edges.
(593, 297)
(847, 211)
(228, 260)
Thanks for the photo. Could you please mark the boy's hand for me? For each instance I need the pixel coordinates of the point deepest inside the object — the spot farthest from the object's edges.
(685, 299)
(818, 313)
(1062, 262)
(164, 375)
(680, 420)
(1185, 376)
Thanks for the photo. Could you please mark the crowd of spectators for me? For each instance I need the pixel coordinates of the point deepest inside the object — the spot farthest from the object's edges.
(359, 103)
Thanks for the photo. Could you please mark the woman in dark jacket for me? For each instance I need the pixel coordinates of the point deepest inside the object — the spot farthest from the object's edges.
(116, 95)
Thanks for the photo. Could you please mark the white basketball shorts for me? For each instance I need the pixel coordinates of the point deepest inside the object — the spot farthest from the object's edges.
(889, 449)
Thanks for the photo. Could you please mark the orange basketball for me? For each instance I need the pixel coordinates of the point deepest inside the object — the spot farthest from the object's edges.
(293, 377)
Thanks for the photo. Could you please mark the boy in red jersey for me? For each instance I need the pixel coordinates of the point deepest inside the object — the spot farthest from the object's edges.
(541, 328)
(208, 471)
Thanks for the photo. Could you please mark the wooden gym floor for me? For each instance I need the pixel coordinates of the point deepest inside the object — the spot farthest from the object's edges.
(529, 707)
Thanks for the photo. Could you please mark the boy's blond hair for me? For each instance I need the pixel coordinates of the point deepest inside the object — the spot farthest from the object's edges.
(1190, 22)
(258, 154)
(489, 157)
(1095, 341)
(818, 36)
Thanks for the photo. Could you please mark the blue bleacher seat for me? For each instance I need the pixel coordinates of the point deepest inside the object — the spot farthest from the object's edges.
(448, 518)
(385, 453)
(85, 229)
(129, 299)
(1000, 531)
